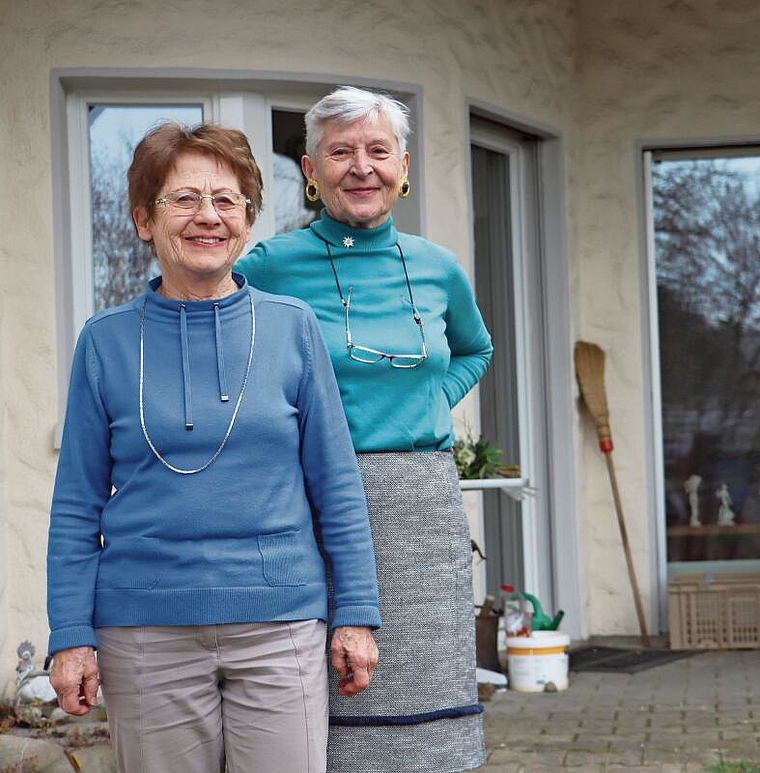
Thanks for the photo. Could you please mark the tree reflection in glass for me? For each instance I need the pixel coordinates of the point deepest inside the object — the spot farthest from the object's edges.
(707, 239)
(121, 263)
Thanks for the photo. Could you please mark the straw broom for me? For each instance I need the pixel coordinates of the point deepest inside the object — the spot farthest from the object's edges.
(589, 369)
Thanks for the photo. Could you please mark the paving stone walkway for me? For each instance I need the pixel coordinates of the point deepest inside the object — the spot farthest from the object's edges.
(675, 718)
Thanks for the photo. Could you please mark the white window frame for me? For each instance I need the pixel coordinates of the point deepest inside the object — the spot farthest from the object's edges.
(560, 577)
(494, 140)
(715, 148)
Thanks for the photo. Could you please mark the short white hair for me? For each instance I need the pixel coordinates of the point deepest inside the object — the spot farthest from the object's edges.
(348, 104)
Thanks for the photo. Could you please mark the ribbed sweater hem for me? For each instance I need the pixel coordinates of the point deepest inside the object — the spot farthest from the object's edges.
(209, 606)
(205, 606)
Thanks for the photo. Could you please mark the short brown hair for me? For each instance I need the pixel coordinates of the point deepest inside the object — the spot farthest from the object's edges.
(157, 152)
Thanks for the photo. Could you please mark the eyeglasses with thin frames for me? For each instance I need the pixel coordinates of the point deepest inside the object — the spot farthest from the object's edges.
(192, 201)
(371, 356)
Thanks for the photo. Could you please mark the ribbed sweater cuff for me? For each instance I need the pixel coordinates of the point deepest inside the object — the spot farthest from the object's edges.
(66, 638)
(356, 616)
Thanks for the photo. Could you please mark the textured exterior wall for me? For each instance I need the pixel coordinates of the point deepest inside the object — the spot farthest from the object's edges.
(683, 70)
(607, 74)
(27, 355)
(515, 54)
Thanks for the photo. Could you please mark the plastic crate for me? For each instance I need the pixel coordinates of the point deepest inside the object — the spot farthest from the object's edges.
(720, 611)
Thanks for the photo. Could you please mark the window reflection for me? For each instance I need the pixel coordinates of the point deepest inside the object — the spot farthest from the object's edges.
(707, 236)
(121, 263)
(292, 209)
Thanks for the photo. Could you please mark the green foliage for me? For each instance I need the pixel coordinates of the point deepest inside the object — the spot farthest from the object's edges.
(478, 459)
(734, 767)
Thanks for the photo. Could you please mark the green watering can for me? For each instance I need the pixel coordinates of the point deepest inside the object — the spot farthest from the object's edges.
(541, 621)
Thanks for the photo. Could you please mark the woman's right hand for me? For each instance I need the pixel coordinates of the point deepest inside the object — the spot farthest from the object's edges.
(75, 679)
(354, 656)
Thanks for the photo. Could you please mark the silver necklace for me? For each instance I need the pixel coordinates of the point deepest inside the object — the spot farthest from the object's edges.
(218, 451)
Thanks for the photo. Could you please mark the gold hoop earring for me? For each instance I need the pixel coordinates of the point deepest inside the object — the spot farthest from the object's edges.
(404, 187)
(312, 190)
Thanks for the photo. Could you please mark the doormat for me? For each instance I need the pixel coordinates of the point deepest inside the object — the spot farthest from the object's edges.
(615, 660)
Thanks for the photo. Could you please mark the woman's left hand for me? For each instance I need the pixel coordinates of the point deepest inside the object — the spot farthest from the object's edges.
(354, 656)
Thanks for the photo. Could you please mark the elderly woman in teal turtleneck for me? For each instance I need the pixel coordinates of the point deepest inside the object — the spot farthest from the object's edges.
(407, 342)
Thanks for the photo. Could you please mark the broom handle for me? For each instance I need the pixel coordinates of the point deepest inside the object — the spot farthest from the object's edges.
(627, 549)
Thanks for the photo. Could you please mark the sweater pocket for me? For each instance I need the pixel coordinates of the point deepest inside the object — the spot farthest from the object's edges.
(283, 558)
(130, 563)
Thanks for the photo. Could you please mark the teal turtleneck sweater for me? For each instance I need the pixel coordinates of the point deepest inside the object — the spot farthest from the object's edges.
(388, 409)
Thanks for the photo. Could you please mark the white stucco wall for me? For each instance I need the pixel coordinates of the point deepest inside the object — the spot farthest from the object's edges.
(605, 74)
(647, 70)
(511, 54)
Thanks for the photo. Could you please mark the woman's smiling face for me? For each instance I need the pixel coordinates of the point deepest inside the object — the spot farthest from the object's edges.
(196, 246)
(358, 168)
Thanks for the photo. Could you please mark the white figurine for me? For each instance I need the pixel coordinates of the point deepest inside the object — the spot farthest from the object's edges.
(691, 486)
(725, 513)
(32, 686)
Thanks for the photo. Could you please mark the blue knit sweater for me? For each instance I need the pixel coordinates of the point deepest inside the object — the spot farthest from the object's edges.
(388, 409)
(133, 543)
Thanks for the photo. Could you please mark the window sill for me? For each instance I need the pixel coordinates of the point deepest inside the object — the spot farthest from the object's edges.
(517, 488)
(713, 530)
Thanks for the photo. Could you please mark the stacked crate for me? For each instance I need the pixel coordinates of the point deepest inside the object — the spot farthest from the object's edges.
(720, 611)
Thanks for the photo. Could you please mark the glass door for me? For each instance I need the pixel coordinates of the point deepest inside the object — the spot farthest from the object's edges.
(705, 236)
(506, 240)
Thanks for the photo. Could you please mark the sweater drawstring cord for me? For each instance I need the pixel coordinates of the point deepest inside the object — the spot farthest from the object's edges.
(186, 367)
(224, 394)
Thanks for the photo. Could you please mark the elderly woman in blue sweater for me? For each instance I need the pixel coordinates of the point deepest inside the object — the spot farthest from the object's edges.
(205, 458)
(407, 342)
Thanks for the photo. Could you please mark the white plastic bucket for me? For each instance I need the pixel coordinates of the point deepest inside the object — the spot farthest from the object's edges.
(534, 661)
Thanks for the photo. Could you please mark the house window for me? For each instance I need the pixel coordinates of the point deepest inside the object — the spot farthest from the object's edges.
(97, 121)
(104, 264)
(706, 236)
(121, 264)
(292, 210)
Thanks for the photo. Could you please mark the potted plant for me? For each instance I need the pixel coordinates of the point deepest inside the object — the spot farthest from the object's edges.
(480, 459)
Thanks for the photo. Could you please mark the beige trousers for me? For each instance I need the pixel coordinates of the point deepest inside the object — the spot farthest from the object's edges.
(193, 699)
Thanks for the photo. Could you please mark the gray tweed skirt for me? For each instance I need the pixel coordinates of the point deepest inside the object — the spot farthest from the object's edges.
(421, 712)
